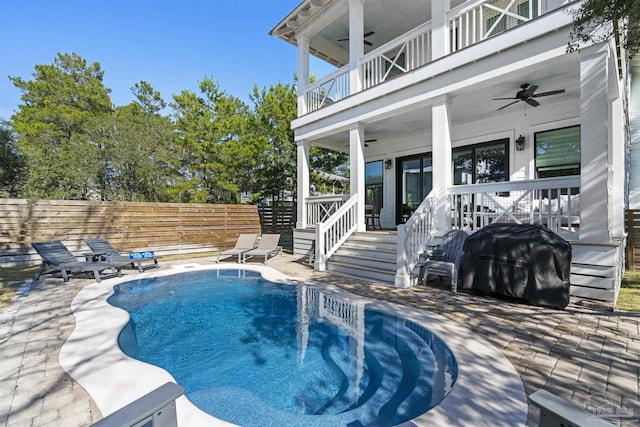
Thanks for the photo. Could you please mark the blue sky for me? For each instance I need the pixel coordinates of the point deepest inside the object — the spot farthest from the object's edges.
(172, 44)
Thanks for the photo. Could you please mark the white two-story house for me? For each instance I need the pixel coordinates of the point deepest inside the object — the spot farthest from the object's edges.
(456, 114)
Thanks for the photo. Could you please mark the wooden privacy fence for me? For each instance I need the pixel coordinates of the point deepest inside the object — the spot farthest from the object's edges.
(167, 228)
(280, 220)
(633, 238)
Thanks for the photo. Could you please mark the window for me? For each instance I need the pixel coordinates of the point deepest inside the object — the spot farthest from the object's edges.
(373, 182)
(524, 9)
(557, 152)
(486, 162)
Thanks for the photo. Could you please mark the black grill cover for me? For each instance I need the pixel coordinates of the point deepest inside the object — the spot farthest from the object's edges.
(519, 260)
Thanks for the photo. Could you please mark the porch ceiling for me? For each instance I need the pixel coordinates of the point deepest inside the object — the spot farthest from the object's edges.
(475, 102)
(383, 17)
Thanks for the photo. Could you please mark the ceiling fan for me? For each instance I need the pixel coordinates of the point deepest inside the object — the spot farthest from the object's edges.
(526, 94)
(367, 42)
(367, 141)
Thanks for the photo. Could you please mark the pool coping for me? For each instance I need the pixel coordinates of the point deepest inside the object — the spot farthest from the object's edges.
(488, 391)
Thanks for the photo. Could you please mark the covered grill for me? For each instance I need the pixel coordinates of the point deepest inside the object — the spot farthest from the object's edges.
(519, 260)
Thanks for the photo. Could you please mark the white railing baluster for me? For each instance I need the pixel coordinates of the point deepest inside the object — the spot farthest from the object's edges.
(320, 208)
(328, 90)
(473, 16)
(378, 64)
(333, 231)
(554, 202)
(414, 237)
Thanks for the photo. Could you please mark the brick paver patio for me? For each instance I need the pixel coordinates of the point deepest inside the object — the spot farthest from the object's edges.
(578, 353)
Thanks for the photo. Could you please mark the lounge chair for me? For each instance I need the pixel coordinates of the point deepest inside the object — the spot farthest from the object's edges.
(56, 257)
(245, 243)
(268, 245)
(104, 251)
(446, 259)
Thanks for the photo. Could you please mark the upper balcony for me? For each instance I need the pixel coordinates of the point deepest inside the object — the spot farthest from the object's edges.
(395, 38)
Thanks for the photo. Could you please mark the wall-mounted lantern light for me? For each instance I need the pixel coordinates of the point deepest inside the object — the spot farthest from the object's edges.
(388, 163)
(520, 143)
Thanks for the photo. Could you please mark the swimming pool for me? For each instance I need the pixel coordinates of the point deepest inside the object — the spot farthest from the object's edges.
(488, 390)
(258, 353)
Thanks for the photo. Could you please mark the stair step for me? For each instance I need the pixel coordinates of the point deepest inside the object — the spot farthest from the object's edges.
(368, 262)
(374, 237)
(385, 276)
(367, 253)
(371, 246)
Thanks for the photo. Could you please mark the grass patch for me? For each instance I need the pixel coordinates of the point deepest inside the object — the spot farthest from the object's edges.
(11, 278)
(629, 298)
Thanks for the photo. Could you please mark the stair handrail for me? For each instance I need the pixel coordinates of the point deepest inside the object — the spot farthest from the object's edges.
(415, 236)
(334, 231)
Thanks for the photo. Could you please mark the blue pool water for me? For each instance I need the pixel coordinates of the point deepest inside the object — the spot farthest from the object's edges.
(258, 353)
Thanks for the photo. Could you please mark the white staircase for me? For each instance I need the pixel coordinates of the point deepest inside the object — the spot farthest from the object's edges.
(371, 255)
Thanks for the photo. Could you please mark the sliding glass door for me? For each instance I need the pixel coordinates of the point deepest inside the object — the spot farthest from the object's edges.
(414, 181)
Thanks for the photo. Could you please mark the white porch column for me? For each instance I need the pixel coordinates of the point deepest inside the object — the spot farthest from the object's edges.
(356, 44)
(303, 183)
(303, 73)
(594, 112)
(439, 28)
(441, 154)
(356, 165)
(618, 170)
(634, 125)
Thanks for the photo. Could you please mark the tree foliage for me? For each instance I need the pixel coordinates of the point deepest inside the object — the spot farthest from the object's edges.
(274, 109)
(135, 146)
(12, 164)
(209, 128)
(599, 20)
(59, 105)
(67, 141)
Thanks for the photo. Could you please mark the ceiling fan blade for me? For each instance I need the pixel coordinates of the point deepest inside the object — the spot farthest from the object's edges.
(532, 102)
(500, 99)
(529, 91)
(370, 33)
(505, 106)
(551, 92)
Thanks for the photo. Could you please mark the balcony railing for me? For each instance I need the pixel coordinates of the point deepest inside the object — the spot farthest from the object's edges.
(319, 208)
(329, 89)
(469, 23)
(405, 53)
(473, 22)
(554, 202)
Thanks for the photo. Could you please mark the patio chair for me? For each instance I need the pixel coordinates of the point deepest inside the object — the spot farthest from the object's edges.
(102, 250)
(245, 243)
(56, 257)
(446, 259)
(372, 216)
(268, 245)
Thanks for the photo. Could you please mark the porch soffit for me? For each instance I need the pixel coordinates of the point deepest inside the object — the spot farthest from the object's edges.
(382, 17)
(386, 111)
